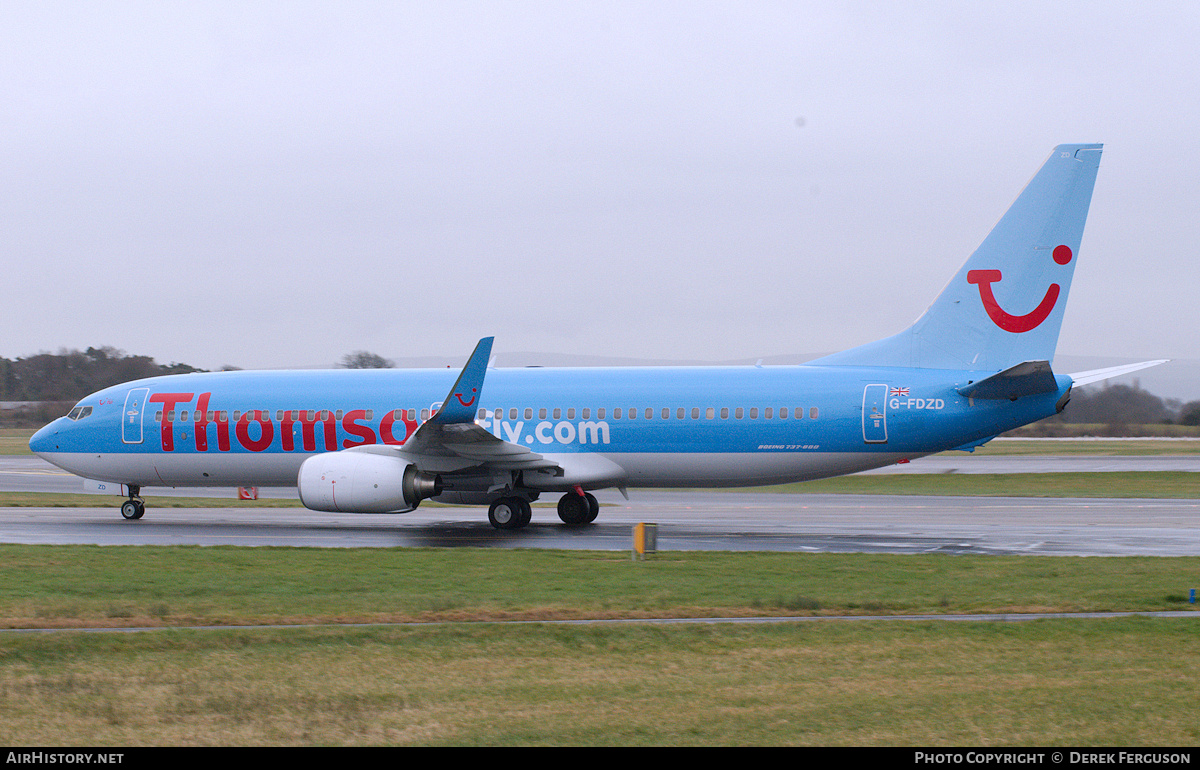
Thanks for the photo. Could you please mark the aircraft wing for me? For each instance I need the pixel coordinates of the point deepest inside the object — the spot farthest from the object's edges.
(451, 441)
(458, 446)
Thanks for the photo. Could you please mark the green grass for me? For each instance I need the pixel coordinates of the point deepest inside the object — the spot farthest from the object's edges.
(1148, 484)
(65, 586)
(15, 441)
(1045, 683)
(1128, 681)
(1098, 446)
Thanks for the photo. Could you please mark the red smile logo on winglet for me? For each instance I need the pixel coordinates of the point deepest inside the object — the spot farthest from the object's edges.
(1017, 323)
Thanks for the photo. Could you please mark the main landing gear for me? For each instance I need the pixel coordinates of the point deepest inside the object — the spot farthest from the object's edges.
(575, 508)
(134, 507)
(578, 507)
(510, 513)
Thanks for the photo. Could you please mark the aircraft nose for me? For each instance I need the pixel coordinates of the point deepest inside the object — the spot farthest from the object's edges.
(45, 440)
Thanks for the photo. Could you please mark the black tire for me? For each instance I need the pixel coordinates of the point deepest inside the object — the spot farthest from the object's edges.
(133, 509)
(573, 509)
(506, 513)
(593, 507)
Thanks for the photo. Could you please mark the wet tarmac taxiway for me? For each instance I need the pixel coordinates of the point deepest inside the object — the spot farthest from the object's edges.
(686, 520)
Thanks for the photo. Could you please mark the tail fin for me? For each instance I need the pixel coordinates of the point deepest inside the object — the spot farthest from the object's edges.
(1005, 306)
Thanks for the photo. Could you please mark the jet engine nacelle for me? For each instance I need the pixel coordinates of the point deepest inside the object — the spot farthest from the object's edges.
(363, 482)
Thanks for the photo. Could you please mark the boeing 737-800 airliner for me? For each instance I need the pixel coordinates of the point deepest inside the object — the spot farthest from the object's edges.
(974, 365)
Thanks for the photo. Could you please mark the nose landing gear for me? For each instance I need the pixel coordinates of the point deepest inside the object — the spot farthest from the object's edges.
(134, 507)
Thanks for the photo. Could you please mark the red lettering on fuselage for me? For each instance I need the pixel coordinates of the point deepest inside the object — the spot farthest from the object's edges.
(351, 426)
(169, 401)
(202, 422)
(255, 428)
(287, 428)
(308, 425)
(387, 435)
(266, 430)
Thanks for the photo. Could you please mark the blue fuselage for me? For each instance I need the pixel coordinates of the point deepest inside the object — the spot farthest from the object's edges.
(714, 426)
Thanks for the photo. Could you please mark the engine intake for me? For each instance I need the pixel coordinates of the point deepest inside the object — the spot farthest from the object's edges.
(363, 482)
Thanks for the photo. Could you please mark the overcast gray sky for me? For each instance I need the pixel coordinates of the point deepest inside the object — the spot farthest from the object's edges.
(277, 184)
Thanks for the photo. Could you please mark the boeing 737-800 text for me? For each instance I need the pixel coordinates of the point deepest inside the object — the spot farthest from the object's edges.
(974, 365)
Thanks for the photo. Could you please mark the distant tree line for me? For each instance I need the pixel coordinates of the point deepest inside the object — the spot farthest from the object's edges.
(363, 359)
(51, 383)
(69, 375)
(1126, 405)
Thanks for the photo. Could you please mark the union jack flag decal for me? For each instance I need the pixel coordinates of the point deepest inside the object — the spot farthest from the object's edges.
(898, 392)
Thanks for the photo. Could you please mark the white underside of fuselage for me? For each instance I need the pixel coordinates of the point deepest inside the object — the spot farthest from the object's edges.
(642, 469)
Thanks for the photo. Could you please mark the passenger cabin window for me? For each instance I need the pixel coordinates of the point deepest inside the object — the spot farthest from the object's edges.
(812, 413)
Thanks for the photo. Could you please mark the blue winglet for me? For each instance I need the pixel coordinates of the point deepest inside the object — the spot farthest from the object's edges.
(462, 401)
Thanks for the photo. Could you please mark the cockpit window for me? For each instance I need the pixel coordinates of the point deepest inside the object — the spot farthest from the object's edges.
(79, 413)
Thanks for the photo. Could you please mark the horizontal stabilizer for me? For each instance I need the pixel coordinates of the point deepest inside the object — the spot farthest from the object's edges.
(1025, 379)
(1096, 375)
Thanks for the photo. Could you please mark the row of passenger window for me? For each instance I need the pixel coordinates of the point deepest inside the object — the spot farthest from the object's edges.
(648, 413)
(295, 415)
(585, 413)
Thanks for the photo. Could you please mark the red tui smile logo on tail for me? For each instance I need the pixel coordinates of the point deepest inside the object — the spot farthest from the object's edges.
(1017, 323)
